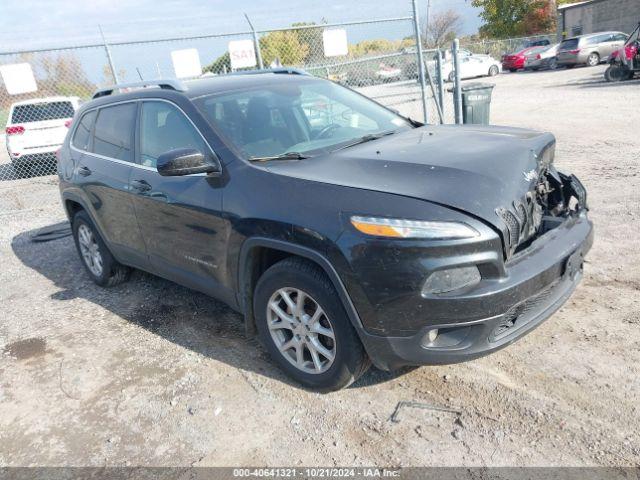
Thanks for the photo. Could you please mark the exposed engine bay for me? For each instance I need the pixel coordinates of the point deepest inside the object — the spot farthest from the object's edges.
(554, 197)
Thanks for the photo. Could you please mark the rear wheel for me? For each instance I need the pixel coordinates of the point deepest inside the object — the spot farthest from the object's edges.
(304, 326)
(512, 70)
(617, 73)
(493, 71)
(96, 258)
(553, 64)
(593, 59)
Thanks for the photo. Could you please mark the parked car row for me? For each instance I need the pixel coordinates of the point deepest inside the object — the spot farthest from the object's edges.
(589, 50)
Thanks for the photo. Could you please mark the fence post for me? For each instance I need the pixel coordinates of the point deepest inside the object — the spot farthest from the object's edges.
(457, 88)
(423, 85)
(440, 79)
(108, 50)
(256, 42)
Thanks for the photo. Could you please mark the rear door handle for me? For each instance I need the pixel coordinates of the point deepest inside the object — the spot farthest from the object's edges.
(84, 171)
(140, 185)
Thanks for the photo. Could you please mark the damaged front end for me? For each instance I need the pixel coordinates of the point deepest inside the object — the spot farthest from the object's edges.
(553, 197)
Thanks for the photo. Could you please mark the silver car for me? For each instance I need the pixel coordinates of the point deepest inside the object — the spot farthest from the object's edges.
(589, 49)
(540, 60)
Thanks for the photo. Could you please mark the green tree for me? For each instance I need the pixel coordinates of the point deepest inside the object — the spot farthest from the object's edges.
(512, 18)
(285, 46)
(221, 64)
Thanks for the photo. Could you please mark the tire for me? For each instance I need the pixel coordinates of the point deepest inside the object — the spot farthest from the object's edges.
(513, 70)
(553, 64)
(569, 66)
(110, 273)
(593, 59)
(296, 279)
(617, 73)
(493, 71)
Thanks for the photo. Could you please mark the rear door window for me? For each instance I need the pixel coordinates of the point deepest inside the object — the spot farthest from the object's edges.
(39, 112)
(82, 135)
(113, 132)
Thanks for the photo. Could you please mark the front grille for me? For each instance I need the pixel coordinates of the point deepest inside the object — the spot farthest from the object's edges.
(522, 220)
(513, 226)
(521, 314)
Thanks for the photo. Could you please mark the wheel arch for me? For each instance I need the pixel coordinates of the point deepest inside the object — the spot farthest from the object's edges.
(72, 204)
(258, 254)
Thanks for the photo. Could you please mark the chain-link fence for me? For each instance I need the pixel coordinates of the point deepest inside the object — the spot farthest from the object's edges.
(498, 48)
(40, 90)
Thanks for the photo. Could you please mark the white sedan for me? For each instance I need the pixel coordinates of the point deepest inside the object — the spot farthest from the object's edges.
(472, 65)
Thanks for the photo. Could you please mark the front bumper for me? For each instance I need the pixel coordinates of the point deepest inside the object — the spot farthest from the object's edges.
(538, 281)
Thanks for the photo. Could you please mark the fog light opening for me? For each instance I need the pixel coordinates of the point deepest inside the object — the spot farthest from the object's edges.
(432, 335)
(451, 279)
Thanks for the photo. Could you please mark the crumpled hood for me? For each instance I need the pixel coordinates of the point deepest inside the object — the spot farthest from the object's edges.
(476, 169)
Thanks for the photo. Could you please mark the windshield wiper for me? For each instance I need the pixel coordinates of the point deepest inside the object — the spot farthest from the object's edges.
(367, 138)
(284, 156)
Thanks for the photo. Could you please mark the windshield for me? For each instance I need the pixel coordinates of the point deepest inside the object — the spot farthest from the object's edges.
(311, 116)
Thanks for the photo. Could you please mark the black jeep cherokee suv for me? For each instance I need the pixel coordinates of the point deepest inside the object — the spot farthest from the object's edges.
(343, 232)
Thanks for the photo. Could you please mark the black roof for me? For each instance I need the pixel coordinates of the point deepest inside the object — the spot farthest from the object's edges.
(224, 83)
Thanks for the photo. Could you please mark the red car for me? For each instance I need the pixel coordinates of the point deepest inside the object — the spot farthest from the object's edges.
(515, 61)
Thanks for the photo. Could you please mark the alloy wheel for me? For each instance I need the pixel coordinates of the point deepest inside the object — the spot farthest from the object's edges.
(301, 330)
(90, 250)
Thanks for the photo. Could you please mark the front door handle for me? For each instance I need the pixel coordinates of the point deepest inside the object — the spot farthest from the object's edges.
(84, 171)
(141, 186)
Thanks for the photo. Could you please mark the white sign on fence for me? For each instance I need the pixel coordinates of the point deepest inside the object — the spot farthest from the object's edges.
(242, 54)
(18, 78)
(186, 63)
(335, 43)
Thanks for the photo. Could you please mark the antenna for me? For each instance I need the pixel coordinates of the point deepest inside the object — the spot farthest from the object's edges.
(139, 74)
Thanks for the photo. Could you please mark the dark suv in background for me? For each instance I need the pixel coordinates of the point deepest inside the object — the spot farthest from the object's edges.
(345, 233)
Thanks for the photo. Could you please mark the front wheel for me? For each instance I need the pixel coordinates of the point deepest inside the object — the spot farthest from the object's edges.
(553, 64)
(303, 325)
(493, 71)
(513, 70)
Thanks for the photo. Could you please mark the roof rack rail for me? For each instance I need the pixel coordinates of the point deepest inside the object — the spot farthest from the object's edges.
(281, 70)
(166, 84)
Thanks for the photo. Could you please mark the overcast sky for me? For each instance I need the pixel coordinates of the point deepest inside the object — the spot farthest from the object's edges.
(48, 23)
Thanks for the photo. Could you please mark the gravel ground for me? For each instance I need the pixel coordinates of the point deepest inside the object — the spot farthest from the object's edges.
(149, 373)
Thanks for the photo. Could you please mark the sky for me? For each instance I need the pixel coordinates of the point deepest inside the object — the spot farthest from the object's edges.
(30, 24)
(45, 24)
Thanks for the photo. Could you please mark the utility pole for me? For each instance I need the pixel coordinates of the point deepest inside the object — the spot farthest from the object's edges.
(420, 60)
(426, 22)
(256, 42)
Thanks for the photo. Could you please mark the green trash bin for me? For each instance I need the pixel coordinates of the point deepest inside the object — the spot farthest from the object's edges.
(476, 103)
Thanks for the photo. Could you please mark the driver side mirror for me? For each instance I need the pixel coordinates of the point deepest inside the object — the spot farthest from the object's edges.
(184, 161)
